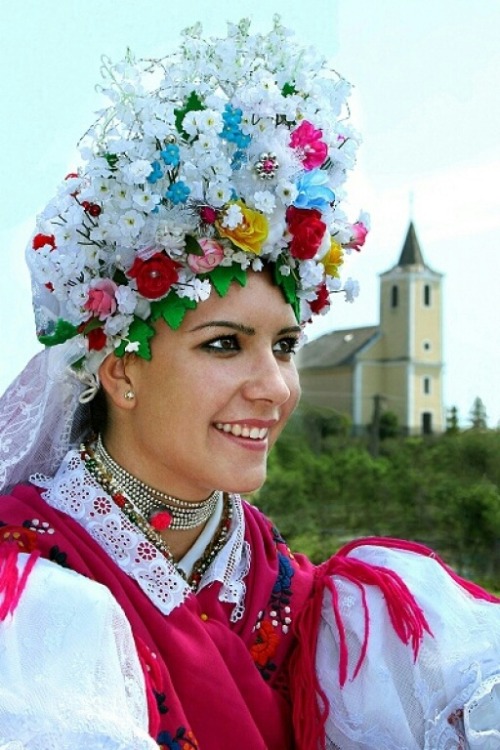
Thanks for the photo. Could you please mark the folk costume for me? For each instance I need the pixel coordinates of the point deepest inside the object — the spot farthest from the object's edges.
(225, 158)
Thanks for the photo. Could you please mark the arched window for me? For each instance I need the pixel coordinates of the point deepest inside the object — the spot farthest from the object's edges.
(427, 385)
(394, 296)
(427, 295)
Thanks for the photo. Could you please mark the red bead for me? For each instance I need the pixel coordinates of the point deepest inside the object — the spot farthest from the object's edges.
(119, 500)
(161, 520)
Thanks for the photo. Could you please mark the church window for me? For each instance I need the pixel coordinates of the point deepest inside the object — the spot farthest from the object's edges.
(427, 346)
(427, 385)
(394, 296)
(427, 295)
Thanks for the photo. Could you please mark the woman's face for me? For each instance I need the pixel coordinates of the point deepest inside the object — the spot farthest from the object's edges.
(215, 395)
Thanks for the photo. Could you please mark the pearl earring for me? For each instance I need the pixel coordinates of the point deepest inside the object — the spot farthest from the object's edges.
(129, 395)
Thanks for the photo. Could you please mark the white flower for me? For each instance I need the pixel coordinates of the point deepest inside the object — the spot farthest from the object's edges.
(264, 201)
(146, 200)
(219, 194)
(126, 299)
(131, 222)
(351, 289)
(286, 192)
(137, 172)
(132, 346)
(232, 217)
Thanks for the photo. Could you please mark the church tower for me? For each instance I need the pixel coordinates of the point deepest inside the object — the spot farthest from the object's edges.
(411, 340)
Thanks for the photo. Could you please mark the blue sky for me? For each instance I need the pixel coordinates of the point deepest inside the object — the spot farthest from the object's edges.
(426, 76)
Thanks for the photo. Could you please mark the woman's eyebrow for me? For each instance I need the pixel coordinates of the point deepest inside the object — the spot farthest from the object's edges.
(225, 324)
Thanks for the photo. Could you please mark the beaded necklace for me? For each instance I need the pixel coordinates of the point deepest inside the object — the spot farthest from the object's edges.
(109, 484)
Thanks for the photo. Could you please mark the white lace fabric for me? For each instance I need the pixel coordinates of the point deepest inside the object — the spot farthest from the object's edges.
(74, 491)
(40, 416)
(398, 704)
(87, 690)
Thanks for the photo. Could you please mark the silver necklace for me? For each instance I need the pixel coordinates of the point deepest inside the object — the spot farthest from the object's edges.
(162, 511)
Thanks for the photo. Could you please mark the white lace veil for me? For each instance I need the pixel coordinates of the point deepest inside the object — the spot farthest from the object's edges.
(41, 416)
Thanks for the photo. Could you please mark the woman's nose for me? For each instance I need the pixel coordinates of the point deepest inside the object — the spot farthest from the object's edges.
(268, 381)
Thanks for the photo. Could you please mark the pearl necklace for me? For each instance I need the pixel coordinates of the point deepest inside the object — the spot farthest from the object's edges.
(109, 485)
(161, 510)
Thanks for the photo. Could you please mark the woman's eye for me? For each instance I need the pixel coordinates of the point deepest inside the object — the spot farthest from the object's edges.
(222, 344)
(287, 345)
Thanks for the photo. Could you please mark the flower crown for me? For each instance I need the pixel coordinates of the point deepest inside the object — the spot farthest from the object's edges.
(227, 156)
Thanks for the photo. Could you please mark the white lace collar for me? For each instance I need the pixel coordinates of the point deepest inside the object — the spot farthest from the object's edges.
(75, 492)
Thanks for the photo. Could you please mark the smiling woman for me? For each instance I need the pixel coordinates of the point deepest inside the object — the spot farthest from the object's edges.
(143, 602)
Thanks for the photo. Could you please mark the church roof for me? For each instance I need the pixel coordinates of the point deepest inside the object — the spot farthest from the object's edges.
(335, 349)
(411, 254)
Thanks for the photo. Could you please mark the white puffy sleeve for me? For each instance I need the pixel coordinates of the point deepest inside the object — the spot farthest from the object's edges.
(448, 698)
(70, 676)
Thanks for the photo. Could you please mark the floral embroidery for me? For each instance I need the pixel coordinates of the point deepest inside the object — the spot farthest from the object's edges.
(265, 644)
(274, 622)
(58, 556)
(182, 740)
(41, 527)
(24, 538)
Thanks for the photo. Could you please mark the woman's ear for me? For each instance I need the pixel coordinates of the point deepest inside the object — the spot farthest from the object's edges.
(116, 383)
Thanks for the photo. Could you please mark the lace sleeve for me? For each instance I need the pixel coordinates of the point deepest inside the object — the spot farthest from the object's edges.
(70, 676)
(445, 699)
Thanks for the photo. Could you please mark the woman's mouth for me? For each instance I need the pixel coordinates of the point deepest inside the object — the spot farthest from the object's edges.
(242, 430)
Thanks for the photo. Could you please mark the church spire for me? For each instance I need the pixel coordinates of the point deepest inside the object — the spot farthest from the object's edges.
(411, 255)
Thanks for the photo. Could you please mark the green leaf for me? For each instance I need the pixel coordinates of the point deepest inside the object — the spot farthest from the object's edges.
(112, 160)
(140, 332)
(288, 286)
(288, 89)
(62, 332)
(192, 245)
(193, 104)
(222, 277)
(172, 309)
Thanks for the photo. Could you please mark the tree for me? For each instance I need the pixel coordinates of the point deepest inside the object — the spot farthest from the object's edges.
(478, 416)
(452, 427)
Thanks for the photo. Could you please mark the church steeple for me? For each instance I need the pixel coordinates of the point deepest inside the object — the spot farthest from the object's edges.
(411, 255)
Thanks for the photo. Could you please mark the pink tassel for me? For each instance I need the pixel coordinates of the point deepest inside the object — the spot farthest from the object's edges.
(420, 549)
(11, 583)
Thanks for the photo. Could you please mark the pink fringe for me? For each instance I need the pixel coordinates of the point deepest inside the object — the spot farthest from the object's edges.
(11, 583)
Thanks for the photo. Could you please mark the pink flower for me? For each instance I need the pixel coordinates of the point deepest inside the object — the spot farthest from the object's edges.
(213, 253)
(101, 300)
(307, 140)
(359, 232)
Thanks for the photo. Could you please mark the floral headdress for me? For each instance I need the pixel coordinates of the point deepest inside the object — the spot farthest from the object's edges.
(228, 155)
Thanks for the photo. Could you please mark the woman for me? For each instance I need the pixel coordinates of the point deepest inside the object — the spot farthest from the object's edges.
(143, 603)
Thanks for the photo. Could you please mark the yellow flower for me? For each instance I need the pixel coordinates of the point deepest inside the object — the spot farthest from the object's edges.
(251, 233)
(333, 259)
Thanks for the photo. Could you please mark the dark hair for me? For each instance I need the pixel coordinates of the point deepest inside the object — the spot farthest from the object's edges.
(99, 412)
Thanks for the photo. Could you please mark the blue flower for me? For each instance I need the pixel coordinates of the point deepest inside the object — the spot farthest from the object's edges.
(170, 155)
(178, 192)
(156, 174)
(314, 191)
(231, 115)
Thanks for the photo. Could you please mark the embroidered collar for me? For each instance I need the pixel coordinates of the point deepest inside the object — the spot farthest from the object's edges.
(75, 492)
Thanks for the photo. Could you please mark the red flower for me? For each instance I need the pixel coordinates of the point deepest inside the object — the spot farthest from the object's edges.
(154, 276)
(40, 240)
(208, 214)
(265, 644)
(97, 339)
(322, 300)
(307, 231)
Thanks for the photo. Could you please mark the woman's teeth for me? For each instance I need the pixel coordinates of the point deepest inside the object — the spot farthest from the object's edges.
(238, 430)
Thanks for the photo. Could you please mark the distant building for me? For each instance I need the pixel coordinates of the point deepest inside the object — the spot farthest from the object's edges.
(396, 366)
